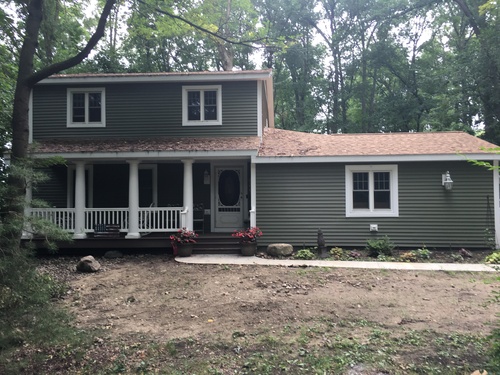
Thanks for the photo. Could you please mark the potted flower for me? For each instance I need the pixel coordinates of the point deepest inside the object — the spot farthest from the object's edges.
(248, 240)
(183, 241)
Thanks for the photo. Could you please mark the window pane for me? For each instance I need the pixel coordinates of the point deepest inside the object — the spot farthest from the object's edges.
(78, 107)
(210, 105)
(382, 193)
(95, 107)
(194, 106)
(360, 199)
(382, 199)
(360, 181)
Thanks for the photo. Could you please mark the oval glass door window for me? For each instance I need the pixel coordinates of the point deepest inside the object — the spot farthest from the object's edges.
(229, 188)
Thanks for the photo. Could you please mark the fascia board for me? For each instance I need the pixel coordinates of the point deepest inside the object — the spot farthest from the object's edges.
(371, 159)
(156, 79)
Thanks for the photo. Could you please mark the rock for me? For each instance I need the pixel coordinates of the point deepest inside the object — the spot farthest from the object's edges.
(88, 264)
(279, 249)
(112, 254)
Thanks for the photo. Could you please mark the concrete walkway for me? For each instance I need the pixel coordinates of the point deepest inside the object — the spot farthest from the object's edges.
(242, 260)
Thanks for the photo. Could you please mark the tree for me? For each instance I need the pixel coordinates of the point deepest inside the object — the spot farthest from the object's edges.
(27, 77)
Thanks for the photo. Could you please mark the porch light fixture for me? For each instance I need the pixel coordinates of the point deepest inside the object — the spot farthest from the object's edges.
(447, 182)
(206, 177)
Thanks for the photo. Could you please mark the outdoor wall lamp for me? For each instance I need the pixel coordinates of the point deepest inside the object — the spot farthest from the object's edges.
(206, 178)
(447, 181)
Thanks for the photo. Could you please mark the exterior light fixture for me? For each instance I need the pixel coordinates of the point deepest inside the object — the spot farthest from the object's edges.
(447, 181)
(206, 178)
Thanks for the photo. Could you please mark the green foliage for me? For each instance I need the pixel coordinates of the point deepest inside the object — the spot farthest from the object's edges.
(337, 252)
(423, 253)
(379, 246)
(493, 258)
(304, 254)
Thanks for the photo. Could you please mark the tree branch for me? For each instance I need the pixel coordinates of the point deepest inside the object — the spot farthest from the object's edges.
(79, 57)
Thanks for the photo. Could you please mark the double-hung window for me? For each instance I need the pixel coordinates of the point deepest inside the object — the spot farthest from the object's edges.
(371, 190)
(86, 107)
(202, 105)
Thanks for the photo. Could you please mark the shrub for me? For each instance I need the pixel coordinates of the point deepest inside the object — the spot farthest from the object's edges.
(354, 254)
(337, 252)
(304, 254)
(422, 253)
(379, 246)
(409, 256)
(385, 258)
(493, 258)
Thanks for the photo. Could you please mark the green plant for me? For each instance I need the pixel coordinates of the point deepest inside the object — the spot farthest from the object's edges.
(409, 256)
(304, 254)
(493, 258)
(423, 253)
(385, 258)
(489, 239)
(457, 258)
(379, 246)
(337, 252)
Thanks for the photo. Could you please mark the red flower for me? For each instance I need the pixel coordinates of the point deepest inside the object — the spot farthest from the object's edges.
(248, 235)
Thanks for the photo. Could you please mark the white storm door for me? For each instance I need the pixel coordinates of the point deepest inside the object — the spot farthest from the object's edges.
(228, 198)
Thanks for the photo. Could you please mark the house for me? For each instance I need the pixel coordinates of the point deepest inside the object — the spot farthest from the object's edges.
(152, 153)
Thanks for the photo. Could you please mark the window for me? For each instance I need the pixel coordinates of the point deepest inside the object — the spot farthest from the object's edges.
(86, 107)
(201, 105)
(371, 190)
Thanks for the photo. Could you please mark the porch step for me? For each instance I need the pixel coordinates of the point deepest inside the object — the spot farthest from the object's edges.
(216, 244)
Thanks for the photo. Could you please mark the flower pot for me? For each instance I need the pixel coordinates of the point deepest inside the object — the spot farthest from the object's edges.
(248, 249)
(184, 249)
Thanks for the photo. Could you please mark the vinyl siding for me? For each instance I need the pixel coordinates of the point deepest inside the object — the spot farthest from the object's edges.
(145, 110)
(53, 190)
(294, 200)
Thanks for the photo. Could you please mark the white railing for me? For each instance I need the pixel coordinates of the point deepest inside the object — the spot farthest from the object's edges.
(94, 216)
(160, 219)
(62, 217)
(151, 219)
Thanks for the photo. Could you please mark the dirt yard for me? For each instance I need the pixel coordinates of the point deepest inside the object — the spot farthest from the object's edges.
(159, 300)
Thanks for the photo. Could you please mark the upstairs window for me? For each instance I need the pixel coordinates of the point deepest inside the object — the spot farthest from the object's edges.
(86, 107)
(372, 190)
(201, 105)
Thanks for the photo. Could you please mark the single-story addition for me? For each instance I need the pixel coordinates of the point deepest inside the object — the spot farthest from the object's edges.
(152, 153)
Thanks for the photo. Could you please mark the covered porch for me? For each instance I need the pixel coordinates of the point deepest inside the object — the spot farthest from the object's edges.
(140, 197)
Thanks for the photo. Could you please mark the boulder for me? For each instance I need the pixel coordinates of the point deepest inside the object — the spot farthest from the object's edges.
(280, 249)
(88, 264)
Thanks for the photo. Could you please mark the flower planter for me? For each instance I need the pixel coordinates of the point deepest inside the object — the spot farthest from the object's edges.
(184, 249)
(248, 249)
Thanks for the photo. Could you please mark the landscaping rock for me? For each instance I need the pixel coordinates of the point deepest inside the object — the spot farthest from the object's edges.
(88, 264)
(280, 249)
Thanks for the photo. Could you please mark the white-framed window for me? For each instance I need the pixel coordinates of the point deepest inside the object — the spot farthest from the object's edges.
(371, 190)
(86, 107)
(202, 105)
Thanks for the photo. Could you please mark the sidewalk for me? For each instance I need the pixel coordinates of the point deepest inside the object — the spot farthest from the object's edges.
(242, 260)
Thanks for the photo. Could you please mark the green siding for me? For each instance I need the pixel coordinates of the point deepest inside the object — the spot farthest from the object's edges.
(294, 200)
(53, 190)
(145, 110)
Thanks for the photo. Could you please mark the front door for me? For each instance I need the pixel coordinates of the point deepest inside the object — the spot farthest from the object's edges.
(228, 198)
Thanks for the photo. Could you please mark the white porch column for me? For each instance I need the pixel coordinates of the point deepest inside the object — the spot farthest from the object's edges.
(188, 192)
(80, 201)
(253, 195)
(496, 201)
(133, 200)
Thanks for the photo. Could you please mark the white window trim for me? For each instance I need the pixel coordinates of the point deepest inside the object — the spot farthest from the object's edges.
(86, 124)
(185, 90)
(371, 212)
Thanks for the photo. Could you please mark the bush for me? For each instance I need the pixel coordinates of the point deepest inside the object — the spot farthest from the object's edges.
(337, 252)
(422, 253)
(304, 254)
(409, 256)
(493, 258)
(379, 246)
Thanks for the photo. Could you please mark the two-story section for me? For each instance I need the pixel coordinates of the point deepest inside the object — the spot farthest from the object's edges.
(151, 152)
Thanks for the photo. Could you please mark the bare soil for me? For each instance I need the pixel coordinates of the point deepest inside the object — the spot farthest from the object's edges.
(154, 298)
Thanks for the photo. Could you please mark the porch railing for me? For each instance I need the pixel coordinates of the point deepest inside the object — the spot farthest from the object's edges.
(151, 219)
